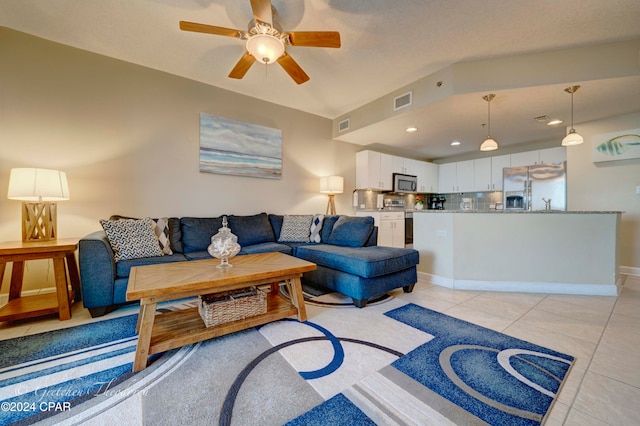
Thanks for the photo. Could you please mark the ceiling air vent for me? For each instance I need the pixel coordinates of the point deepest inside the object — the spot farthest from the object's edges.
(402, 101)
(344, 125)
(542, 118)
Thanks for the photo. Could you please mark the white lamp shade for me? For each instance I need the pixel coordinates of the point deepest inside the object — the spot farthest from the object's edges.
(332, 184)
(28, 184)
(265, 48)
(489, 144)
(572, 138)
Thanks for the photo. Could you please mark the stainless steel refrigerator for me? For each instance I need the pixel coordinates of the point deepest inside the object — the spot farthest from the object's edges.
(530, 187)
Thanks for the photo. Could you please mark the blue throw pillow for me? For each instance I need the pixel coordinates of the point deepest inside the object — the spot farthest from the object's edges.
(351, 231)
(252, 229)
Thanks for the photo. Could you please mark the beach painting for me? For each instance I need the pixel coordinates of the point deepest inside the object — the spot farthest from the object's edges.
(622, 145)
(232, 147)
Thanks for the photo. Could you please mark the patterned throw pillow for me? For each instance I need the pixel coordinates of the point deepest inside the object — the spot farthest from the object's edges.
(161, 229)
(296, 228)
(131, 238)
(316, 227)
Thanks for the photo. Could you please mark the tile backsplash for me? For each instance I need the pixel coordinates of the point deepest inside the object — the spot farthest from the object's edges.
(480, 200)
(367, 199)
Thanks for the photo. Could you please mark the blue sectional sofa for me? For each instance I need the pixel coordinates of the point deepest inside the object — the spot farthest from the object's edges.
(347, 255)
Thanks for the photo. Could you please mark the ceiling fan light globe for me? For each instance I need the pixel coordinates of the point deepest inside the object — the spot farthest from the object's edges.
(572, 138)
(489, 144)
(265, 48)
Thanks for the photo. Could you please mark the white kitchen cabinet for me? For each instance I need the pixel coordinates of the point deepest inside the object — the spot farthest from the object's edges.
(405, 166)
(498, 163)
(539, 156)
(482, 174)
(447, 177)
(374, 171)
(456, 177)
(427, 174)
(390, 227)
(552, 155)
(527, 158)
(432, 173)
(465, 176)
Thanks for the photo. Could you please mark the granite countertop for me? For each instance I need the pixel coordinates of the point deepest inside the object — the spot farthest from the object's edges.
(520, 211)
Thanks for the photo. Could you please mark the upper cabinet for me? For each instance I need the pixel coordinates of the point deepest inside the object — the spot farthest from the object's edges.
(456, 177)
(447, 176)
(405, 166)
(374, 171)
(553, 155)
(482, 174)
(427, 177)
(541, 156)
(498, 163)
(465, 176)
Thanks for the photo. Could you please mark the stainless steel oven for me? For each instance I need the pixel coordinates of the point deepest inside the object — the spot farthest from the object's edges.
(408, 228)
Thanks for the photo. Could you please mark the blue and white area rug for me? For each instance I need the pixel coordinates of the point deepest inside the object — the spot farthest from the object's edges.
(465, 375)
(389, 363)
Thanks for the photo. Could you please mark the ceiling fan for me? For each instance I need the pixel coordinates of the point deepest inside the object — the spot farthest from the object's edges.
(265, 41)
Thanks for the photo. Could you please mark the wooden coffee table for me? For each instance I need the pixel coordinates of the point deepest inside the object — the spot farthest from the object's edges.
(171, 281)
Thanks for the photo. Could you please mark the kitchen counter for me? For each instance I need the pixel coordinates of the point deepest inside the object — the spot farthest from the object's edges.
(520, 211)
(570, 252)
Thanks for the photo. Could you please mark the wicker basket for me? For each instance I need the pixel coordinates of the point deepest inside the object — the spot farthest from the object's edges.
(220, 308)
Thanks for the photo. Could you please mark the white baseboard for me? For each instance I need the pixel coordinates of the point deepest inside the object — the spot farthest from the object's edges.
(630, 270)
(525, 286)
(4, 297)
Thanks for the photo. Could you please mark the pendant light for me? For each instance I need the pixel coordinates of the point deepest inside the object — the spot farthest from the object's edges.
(572, 138)
(489, 143)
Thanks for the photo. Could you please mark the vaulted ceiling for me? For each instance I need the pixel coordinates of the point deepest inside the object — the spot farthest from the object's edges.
(449, 53)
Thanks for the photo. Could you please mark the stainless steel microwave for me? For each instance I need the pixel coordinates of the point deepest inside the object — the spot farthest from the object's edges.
(405, 183)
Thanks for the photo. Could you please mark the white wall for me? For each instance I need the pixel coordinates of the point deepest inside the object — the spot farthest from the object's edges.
(128, 139)
(607, 186)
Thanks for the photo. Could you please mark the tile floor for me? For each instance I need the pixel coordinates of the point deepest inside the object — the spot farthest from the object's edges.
(603, 333)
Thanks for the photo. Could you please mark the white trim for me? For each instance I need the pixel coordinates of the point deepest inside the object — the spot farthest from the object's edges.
(630, 270)
(526, 286)
(436, 279)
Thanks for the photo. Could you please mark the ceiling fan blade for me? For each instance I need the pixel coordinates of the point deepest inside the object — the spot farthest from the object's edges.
(242, 66)
(210, 29)
(292, 68)
(262, 11)
(314, 38)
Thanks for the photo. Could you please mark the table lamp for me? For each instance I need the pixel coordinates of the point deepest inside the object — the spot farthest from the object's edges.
(331, 185)
(38, 189)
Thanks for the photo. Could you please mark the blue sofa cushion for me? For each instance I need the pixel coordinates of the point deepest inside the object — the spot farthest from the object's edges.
(356, 286)
(123, 267)
(252, 229)
(175, 235)
(197, 232)
(327, 227)
(266, 248)
(366, 262)
(276, 223)
(351, 231)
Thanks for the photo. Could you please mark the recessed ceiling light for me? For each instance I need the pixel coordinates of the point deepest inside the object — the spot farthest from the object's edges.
(455, 143)
(411, 129)
(554, 122)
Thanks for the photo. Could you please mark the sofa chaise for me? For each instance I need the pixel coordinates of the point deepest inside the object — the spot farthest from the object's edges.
(344, 248)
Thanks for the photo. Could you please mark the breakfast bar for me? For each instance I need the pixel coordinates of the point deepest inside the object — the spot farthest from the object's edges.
(569, 252)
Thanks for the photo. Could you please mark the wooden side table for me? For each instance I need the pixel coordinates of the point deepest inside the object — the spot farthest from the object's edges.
(62, 251)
